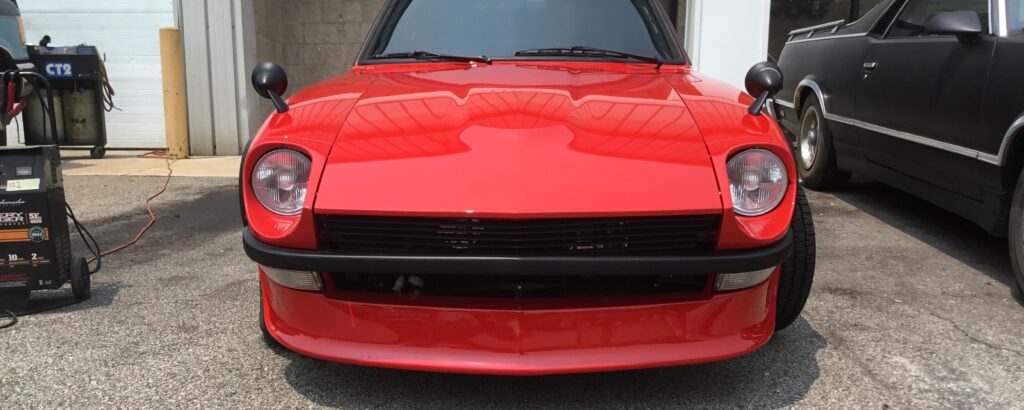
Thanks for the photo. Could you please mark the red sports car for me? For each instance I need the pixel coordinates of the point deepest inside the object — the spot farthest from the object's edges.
(524, 187)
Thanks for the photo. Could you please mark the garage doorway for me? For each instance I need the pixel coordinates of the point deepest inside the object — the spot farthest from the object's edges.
(127, 34)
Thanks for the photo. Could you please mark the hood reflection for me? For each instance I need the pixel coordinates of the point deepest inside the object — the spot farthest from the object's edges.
(410, 115)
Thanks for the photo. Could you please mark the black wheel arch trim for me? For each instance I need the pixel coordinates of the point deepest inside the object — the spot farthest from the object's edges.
(737, 261)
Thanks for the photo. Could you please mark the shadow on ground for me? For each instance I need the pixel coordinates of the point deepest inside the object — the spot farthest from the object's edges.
(778, 375)
(930, 224)
(194, 218)
(62, 301)
(180, 222)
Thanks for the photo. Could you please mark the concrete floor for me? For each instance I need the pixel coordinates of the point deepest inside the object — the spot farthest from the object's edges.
(130, 163)
(912, 307)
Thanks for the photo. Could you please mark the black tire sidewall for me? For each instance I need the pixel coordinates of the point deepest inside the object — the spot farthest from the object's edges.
(81, 281)
(796, 275)
(268, 339)
(1016, 233)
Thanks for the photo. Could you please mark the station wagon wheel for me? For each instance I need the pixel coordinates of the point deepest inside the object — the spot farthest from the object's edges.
(816, 153)
(1017, 233)
(807, 141)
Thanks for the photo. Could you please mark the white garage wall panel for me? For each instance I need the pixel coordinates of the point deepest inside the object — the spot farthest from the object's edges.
(220, 49)
(725, 38)
(128, 33)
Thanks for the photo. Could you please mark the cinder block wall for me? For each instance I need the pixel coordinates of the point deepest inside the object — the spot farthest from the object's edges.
(313, 39)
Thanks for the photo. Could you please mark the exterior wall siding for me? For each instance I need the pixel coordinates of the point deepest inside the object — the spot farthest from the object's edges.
(219, 40)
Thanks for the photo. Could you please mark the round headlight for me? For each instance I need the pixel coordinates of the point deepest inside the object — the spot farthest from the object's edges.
(280, 179)
(757, 182)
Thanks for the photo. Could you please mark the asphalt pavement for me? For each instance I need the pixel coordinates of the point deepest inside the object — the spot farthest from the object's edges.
(912, 307)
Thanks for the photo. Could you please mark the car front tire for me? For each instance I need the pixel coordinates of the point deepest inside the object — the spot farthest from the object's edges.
(268, 339)
(1017, 233)
(797, 273)
(815, 152)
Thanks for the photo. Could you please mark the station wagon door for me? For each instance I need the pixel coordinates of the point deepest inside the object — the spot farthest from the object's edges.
(921, 95)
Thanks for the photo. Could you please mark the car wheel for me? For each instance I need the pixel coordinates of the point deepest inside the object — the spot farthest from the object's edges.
(798, 271)
(268, 339)
(1017, 233)
(815, 154)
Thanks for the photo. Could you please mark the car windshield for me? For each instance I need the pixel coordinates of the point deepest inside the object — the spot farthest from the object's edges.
(502, 28)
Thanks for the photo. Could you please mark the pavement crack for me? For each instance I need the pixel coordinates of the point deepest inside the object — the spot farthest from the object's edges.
(976, 339)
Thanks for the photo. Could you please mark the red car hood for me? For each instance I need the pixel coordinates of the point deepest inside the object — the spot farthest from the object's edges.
(519, 141)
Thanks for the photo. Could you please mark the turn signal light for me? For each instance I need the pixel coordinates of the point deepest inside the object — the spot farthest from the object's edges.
(300, 280)
(737, 281)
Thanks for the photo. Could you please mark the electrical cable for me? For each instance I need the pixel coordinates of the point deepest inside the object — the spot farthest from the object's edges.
(13, 319)
(149, 209)
(46, 112)
(107, 89)
(90, 242)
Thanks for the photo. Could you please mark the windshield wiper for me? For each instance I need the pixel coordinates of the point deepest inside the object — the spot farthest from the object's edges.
(428, 55)
(584, 51)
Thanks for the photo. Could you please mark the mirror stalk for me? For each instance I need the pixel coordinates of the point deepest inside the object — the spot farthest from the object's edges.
(755, 108)
(279, 104)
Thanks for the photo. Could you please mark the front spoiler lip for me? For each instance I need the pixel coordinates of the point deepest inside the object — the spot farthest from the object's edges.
(712, 263)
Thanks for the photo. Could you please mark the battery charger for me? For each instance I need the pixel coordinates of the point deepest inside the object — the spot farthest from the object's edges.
(35, 242)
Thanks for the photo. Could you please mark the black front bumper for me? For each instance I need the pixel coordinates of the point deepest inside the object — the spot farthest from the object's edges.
(712, 263)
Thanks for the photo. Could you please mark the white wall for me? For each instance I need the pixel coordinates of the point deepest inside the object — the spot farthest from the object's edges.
(127, 32)
(726, 37)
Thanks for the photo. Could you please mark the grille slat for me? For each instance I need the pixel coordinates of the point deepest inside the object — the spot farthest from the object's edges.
(488, 237)
(341, 229)
(668, 236)
(529, 224)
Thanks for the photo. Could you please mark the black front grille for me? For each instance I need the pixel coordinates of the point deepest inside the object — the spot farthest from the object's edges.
(518, 287)
(669, 236)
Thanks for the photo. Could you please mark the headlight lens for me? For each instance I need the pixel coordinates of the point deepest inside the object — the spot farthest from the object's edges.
(757, 181)
(280, 179)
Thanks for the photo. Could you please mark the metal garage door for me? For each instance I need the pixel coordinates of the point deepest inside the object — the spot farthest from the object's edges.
(127, 31)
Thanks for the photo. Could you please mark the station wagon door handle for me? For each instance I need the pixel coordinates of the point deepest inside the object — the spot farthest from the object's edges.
(870, 66)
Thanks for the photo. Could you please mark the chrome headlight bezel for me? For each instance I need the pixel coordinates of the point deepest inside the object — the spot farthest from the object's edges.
(280, 180)
(758, 181)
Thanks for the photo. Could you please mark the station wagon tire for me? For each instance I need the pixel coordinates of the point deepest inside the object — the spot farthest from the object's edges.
(798, 271)
(1017, 233)
(815, 153)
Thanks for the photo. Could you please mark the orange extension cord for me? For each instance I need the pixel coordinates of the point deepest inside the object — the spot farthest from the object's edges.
(152, 216)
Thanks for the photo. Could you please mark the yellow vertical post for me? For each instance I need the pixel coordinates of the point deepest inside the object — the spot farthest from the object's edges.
(175, 111)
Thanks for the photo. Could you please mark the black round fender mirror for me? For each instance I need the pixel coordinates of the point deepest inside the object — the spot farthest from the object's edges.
(764, 80)
(271, 81)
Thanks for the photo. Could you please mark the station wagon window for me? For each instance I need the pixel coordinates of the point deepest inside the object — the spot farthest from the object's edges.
(500, 28)
(916, 13)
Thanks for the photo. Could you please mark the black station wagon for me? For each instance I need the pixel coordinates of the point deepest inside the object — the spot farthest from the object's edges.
(925, 95)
